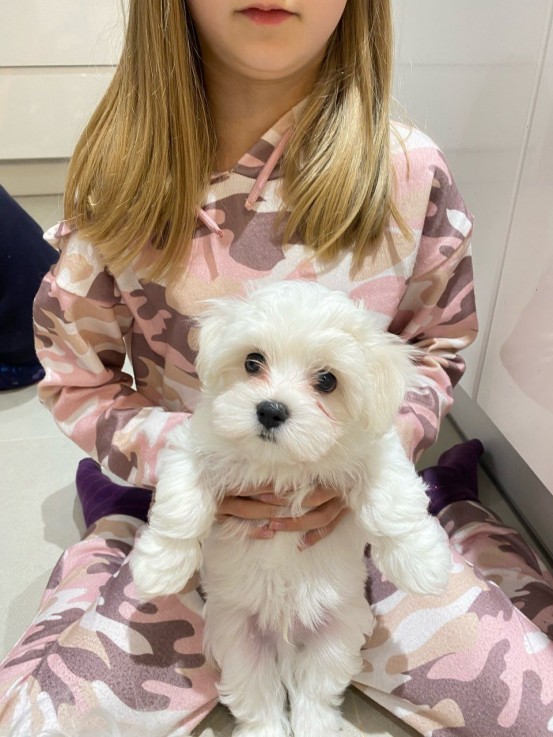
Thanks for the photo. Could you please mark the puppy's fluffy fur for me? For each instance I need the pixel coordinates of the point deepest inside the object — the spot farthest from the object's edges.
(281, 621)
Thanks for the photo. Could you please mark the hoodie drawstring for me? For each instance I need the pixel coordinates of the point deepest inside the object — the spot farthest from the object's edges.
(258, 186)
(267, 170)
(208, 221)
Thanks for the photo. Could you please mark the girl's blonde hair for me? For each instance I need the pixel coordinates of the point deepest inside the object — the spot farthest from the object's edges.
(142, 165)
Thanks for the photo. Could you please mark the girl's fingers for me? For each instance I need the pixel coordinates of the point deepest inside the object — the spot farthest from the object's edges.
(261, 533)
(318, 518)
(314, 536)
(267, 504)
(317, 497)
(246, 508)
(325, 509)
(273, 499)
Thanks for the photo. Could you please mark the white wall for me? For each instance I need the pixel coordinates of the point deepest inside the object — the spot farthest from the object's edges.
(477, 75)
(56, 57)
(516, 387)
(515, 391)
(467, 74)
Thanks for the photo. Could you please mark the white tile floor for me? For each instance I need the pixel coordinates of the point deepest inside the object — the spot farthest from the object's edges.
(41, 517)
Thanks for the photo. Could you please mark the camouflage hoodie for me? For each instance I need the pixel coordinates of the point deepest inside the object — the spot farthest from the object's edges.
(86, 321)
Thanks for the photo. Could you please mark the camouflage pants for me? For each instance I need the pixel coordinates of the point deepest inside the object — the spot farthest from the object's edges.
(470, 663)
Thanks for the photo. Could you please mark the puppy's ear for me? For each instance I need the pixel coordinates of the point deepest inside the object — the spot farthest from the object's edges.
(390, 373)
(214, 324)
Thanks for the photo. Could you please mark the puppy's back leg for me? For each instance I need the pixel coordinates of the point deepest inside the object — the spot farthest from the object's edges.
(250, 682)
(317, 673)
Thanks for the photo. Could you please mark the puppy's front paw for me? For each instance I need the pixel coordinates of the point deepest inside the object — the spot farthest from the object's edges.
(418, 563)
(438, 566)
(162, 565)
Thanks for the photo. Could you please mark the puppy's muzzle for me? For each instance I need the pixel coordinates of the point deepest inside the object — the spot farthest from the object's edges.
(272, 414)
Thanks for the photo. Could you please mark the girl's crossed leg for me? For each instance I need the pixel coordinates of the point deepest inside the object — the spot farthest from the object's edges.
(95, 657)
(466, 663)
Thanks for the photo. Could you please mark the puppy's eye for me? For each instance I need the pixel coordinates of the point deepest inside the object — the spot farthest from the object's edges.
(254, 362)
(326, 382)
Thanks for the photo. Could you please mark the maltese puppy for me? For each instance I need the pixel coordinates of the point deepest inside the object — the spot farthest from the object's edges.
(300, 388)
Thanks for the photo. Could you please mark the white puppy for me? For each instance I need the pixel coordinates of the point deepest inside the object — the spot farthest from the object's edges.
(300, 387)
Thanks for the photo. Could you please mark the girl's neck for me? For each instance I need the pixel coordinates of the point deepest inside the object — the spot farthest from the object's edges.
(243, 110)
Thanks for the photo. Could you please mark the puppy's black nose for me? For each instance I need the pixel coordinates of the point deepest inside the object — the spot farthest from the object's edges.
(272, 414)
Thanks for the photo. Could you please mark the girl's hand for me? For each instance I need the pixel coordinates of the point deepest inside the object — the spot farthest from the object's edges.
(325, 509)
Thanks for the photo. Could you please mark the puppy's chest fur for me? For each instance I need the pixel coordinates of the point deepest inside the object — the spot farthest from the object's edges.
(282, 588)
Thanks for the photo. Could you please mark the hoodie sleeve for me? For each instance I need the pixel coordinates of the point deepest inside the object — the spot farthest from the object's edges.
(80, 323)
(437, 312)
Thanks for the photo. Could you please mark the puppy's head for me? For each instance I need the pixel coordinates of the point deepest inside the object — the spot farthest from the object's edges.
(292, 368)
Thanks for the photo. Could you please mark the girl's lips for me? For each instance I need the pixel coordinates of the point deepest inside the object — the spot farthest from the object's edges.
(268, 17)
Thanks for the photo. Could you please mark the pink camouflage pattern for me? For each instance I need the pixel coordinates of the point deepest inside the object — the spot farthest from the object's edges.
(465, 664)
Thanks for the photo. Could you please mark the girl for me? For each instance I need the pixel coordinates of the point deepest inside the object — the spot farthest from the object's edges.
(246, 142)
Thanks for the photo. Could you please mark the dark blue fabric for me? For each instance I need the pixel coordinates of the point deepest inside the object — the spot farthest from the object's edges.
(25, 257)
(24, 374)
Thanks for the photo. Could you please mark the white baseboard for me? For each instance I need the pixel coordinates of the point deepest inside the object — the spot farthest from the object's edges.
(526, 493)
